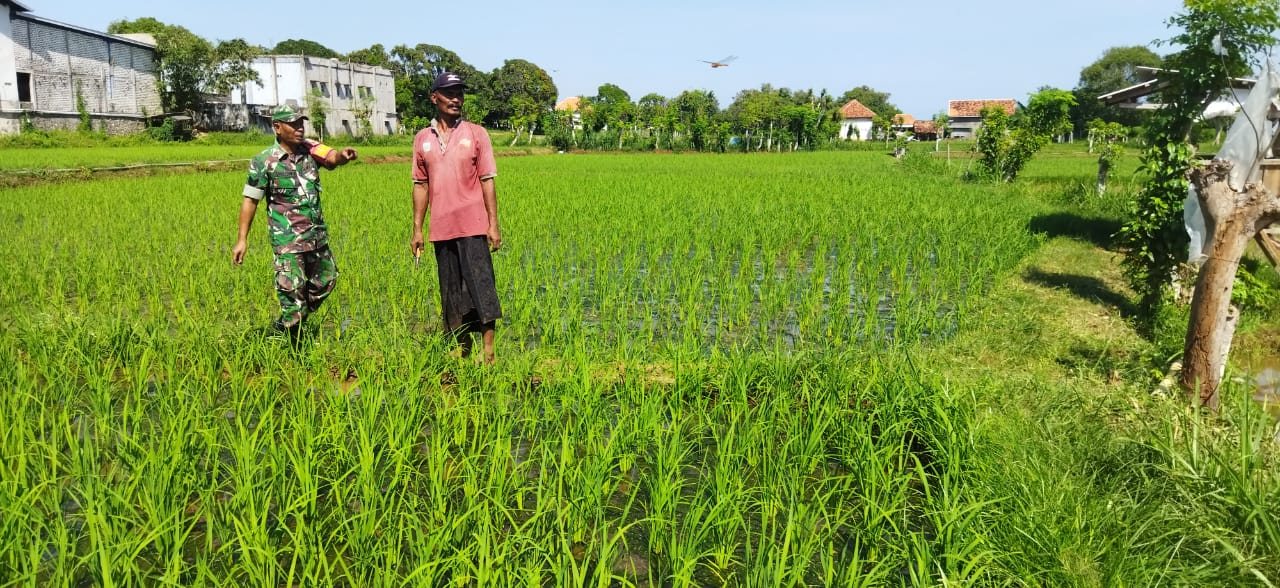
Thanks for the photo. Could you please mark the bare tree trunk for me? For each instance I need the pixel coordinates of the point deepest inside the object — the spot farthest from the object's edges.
(1104, 168)
(1235, 218)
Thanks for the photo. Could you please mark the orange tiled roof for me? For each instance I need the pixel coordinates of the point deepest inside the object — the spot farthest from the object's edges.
(855, 109)
(904, 119)
(924, 127)
(570, 104)
(968, 108)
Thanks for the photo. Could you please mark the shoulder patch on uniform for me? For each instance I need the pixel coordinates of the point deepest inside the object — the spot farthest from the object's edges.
(466, 142)
(426, 146)
(321, 151)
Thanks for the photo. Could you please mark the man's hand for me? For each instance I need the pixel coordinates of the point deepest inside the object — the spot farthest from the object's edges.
(237, 252)
(416, 244)
(495, 238)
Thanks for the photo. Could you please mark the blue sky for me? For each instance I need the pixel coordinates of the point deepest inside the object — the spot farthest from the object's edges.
(923, 52)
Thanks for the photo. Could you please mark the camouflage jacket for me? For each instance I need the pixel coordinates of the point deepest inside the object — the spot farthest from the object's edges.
(290, 183)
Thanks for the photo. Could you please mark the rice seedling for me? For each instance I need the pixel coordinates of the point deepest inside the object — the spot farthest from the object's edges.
(703, 380)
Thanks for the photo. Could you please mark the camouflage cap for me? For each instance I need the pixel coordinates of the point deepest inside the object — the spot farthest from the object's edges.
(286, 114)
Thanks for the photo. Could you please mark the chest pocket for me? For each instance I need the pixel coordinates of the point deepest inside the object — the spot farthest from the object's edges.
(294, 184)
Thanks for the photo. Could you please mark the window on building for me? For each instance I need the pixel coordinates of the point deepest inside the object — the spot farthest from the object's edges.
(24, 87)
(387, 124)
(346, 126)
(347, 89)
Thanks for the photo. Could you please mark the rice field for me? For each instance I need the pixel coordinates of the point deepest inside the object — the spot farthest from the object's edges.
(704, 379)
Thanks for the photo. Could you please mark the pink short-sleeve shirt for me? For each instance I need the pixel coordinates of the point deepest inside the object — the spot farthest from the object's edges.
(453, 173)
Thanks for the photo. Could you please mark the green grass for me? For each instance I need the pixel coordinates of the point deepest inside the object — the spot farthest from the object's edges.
(820, 369)
(61, 151)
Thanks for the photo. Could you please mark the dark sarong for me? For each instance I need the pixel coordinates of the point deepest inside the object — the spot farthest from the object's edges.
(468, 296)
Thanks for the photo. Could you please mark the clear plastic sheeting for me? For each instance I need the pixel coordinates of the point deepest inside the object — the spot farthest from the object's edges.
(1193, 218)
(1248, 142)
(1250, 136)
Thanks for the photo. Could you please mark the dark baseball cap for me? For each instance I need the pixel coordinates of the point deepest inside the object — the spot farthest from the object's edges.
(447, 79)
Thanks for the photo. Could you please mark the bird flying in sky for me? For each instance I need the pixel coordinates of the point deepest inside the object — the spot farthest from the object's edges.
(720, 62)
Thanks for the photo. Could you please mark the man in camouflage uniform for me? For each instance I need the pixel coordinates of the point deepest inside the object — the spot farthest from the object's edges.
(287, 176)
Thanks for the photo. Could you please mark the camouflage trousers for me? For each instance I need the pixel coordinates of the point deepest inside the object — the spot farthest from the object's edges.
(303, 281)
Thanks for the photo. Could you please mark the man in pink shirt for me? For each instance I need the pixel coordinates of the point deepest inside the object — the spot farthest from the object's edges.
(453, 171)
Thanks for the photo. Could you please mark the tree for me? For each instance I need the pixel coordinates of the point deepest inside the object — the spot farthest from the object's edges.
(1217, 38)
(521, 92)
(694, 112)
(362, 109)
(875, 100)
(941, 126)
(1220, 39)
(190, 66)
(1006, 144)
(317, 111)
(755, 114)
(375, 55)
(304, 47)
(1048, 112)
(1113, 71)
(651, 113)
(415, 69)
(1106, 136)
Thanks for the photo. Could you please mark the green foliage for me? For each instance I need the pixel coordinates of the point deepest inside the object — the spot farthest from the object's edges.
(86, 122)
(1104, 138)
(1111, 72)
(1153, 238)
(1006, 144)
(415, 68)
(1004, 148)
(317, 111)
(362, 109)
(1250, 292)
(521, 92)
(303, 47)
(877, 101)
(190, 65)
(1048, 112)
(375, 55)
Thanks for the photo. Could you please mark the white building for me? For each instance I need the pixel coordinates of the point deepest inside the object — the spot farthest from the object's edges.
(345, 87)
(47, 67)
(856, 121)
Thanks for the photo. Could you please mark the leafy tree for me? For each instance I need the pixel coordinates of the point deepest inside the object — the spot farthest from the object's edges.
(317, 111)
(190, 66)
(1107, 137)
(694, 112)
(521, 92)
(304, 47)
(362, 110)
(1006, 144)
(875, 100)
(415, 69)
(375, 55)
(755, 114)
(1153, 237)
(651, 113)
(1111, 72)
(1048, 112)
(941, 126)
